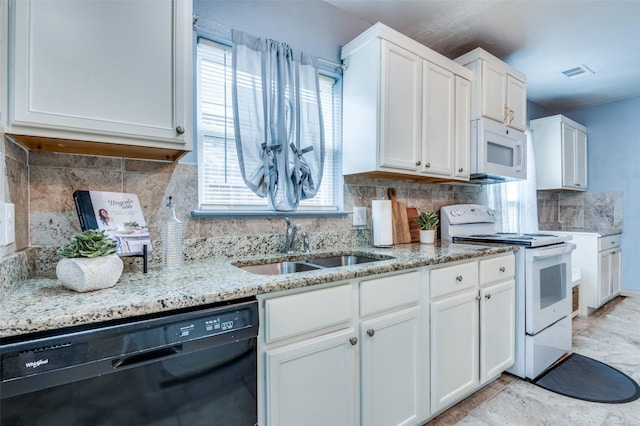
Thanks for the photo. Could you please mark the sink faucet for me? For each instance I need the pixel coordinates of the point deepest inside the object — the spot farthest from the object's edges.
(292, 233)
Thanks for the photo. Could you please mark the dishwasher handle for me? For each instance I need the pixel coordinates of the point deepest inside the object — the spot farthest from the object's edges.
(146, 357)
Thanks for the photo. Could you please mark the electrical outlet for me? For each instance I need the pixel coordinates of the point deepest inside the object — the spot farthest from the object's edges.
(359, 216)
(10, 223)
(3, 219)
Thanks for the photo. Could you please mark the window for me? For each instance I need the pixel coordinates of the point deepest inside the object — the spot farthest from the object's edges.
(220, 186)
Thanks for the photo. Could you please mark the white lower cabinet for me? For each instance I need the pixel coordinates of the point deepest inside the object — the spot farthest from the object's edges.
(454, 348)
(375, 352)
(472, 327)
(313, 382)
(497, 329)
(598, 257)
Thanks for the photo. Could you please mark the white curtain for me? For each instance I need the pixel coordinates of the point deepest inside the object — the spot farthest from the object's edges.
(278, 120)
(517, 202)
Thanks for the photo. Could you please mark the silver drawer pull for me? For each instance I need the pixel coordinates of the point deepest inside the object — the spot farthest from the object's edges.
(371, 332)
(502, 269)
(459, 278)
(487, 296)
(353, 340)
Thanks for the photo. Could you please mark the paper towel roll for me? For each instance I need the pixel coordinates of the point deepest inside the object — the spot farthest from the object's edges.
(381, 219)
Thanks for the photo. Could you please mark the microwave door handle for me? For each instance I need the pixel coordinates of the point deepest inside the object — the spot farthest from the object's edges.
(520, 149)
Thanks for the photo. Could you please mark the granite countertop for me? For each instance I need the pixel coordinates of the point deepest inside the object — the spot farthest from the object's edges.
(603, 232)
(42, 304)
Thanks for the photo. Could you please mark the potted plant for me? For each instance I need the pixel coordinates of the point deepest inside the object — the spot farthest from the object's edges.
(89, 262)
(428, 222)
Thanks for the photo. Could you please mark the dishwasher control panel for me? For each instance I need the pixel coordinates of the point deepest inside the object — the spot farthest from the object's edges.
(207, 326)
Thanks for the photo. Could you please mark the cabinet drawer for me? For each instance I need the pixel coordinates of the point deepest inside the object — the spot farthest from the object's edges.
(497, 269)
(289, 316)
(453, 278)
(382, 294)
(609, 242)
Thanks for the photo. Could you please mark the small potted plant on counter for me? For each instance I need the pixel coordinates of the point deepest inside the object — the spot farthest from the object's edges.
(428, 222)
(89, 262)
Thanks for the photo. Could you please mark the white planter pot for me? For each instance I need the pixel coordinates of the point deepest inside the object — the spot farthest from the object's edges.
(428, 237)
(88, 274)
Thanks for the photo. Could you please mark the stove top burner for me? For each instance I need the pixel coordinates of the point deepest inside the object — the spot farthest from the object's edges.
(528, 239)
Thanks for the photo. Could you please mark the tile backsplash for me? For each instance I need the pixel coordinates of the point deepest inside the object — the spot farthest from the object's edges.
(44, 183)
(580, 210)
(41, 184)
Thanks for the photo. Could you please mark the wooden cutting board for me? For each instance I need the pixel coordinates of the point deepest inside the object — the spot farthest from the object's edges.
(414, 227)
(401, 234)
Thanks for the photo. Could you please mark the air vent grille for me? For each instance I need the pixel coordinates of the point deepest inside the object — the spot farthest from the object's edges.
(577, 72)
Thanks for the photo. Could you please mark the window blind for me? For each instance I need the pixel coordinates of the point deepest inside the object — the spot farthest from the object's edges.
(221, 186)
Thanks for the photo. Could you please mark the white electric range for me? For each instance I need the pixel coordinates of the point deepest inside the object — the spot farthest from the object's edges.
(543, 284)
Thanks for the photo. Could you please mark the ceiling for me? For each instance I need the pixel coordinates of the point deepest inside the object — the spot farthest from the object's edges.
(540, 38)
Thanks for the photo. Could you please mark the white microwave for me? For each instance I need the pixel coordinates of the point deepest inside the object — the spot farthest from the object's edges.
(498, 153)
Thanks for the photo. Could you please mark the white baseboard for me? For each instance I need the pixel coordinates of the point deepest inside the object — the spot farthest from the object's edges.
(630, 293)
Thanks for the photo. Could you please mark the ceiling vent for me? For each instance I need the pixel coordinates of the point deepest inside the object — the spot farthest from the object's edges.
(577, 72)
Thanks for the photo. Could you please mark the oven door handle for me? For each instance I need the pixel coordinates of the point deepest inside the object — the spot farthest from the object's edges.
(552, 251)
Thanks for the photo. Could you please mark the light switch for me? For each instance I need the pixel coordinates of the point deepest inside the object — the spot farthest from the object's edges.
(359, 216)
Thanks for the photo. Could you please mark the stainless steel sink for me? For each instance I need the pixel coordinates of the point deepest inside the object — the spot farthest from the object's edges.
(279, 268)
(335, 261)
(310, 264)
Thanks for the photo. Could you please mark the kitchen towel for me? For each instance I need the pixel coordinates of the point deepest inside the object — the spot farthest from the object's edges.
(381, 219)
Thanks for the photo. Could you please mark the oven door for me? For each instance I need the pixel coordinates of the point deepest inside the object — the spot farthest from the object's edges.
(499, 151)
(547, 285)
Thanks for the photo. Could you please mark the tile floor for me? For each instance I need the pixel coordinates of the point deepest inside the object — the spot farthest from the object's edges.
(611, 335)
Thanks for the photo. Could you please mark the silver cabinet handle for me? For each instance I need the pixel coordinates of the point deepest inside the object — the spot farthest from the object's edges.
(477, 298)
(180, 130)
(502, 269)
(460, 170)
(418, 163)
(459, 278)
(371, 332)
(427, 165)
(353, 340)
(487, 296)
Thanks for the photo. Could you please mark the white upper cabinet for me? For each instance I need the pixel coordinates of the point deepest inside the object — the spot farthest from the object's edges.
(400, 107)
(406, 109)
(499, 93)
(560, 147)
(109, 74)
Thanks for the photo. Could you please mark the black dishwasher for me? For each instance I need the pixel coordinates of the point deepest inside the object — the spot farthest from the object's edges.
(188, 368)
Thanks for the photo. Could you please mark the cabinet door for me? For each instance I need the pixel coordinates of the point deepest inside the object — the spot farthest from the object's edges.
(400, 108)
(391, 369)
(604, 277)
(616, 272)
(494, 83)
(462, 166)
(313, 382)
(454, 348)
(568, 156)
(497, 329)
(438, 120)
(517, 103)
(107, 68)
(581, 159)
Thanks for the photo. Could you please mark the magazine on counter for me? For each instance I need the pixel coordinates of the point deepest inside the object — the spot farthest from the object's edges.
(119, 215)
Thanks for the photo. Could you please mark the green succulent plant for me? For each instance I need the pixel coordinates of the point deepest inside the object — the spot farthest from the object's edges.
(90, 243)
(428, 220)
